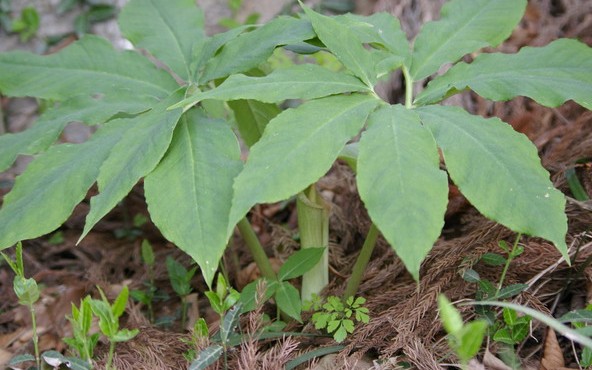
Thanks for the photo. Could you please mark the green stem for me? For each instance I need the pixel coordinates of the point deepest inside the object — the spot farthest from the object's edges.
(183, 311)
(35, 336)
(313, 227)
(256, 249)
(111, 352)
(408, 88)
(361, 263)
(511, 256)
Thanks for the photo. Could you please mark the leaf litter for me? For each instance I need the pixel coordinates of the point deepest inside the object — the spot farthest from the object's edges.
(404, 326)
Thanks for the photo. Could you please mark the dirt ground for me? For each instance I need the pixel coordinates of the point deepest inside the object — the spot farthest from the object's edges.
(404, 331)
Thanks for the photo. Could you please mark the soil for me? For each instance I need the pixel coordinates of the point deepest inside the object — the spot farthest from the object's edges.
(404, 331)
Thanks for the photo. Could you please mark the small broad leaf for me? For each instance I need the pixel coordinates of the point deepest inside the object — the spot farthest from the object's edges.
(252, 48)
(550, 75)
(20, 359)
(401, 184)
(465, 26)
(120, 302)
(124, 335)
(53, 184)
(86, 67)
(206, 357)
(178, 277)
(471, 276)
(504, 335)
(511, 291)
(470, 338)
(352, 53)
(189, 193)
(134, 156)
(173, 29)
(288, 300)
(449, 316)
(493, 259)
(26, 290)
(302, 81)
(107, 323)
(510, 316)
(512, 188)
(249, 294)
(577, 316)
(309, 139)
(300, 262)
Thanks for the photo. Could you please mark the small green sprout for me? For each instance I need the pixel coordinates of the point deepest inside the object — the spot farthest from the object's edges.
(339, 317)
(180, 279)
(81, 321)
(109, 315)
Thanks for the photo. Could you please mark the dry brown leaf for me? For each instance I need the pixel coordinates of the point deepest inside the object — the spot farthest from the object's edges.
(552, 354)
(5, 356)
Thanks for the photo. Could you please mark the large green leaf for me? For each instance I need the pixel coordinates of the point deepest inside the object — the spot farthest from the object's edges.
(169, 30)
(465, 26)
(53, 184)
(307, 139)
(134, 156)
(252, 48)
(379, 28)
(252, 117)
(201, 55)
(401, 184)
(48, 126)
(351, 53)
(89, 66)
(189, 194)
(499, 172)
(550, 75)
(302, 81)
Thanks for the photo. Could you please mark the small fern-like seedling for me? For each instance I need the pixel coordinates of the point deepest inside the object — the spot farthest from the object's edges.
(339, 318)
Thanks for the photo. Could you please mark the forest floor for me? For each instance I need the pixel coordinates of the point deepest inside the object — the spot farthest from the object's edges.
(404, 331)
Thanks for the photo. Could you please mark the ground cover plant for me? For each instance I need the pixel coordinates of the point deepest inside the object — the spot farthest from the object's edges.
(196, 186)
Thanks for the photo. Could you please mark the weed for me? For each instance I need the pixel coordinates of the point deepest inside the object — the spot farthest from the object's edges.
(338, 317)
(180, 279)
(148, 295)
(81, 320)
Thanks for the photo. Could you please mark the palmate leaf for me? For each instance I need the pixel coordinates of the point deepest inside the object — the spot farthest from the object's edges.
(169, 30)
(499, 172)
(189, 194)
(252, 48)
(53, 184)
(308, 139)
(89, 66)
(465, 26)
(303, 81)
(550, 75)
(48, 127)
(134, 156)
(401, 184)
(352, 53)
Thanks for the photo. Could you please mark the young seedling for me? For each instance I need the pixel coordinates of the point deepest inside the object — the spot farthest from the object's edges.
(147, 296)
(26, 291)
(464, 339)
(82, 341)
(339, 317)
(223, 298)
(180, 279)
(109, 315)
(286, 297)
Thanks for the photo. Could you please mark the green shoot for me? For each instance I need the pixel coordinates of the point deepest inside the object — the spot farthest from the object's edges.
(180, 279)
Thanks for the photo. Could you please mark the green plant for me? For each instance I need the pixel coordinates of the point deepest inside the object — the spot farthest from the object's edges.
(339, 317)
(109, 315)
(148, 295)
(464, 339)
(286, 297)
(180, 279)
(196, 186)
(27, 25)
(581, 320)
(26, 291)
(81, 320)
(223, 298)
(93, 11)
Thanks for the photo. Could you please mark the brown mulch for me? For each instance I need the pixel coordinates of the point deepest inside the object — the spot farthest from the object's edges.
(404, 326)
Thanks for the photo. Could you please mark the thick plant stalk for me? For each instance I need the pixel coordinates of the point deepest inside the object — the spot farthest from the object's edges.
(313, 226)
(256, 249)
(361, 263)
